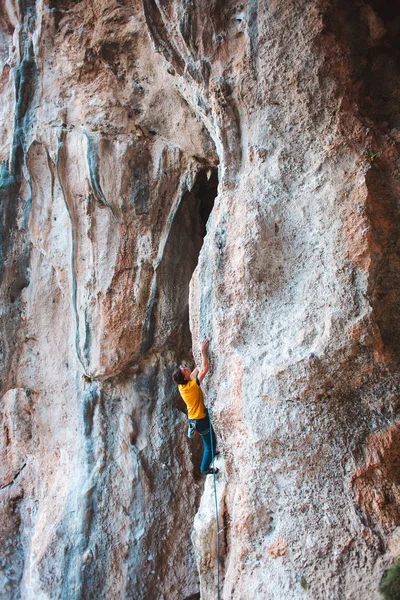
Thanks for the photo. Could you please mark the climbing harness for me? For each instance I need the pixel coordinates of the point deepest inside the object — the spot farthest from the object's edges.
(216, 506)
(191, 428)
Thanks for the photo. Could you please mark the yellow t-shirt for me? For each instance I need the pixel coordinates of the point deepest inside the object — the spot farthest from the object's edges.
(192, 396)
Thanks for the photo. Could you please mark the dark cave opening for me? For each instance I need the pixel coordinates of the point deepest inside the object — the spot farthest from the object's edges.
(386, 9)
(206, 190)
(180, 259)
(190, 225)
(167, 319)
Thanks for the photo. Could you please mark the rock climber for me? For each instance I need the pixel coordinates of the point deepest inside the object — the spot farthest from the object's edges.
(192, 395)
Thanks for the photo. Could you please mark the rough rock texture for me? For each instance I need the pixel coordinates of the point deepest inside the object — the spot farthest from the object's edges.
(120, 123)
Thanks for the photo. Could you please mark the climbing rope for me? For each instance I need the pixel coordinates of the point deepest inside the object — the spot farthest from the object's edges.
(216, 507)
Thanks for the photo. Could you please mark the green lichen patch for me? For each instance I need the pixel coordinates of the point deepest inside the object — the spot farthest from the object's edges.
(390, 586)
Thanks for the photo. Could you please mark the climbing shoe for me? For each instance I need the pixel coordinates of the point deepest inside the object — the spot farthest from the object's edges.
(212, 471)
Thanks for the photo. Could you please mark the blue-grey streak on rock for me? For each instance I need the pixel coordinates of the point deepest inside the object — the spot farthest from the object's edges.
(200, 72)
(22, 279)
(85, 501)
(93, 165)
(187, 26)
(102, 446)
(9, 187)
(14, 244)
(24, 80)
(26, 211)
(89, 402)
(88, 338)
(27, 10)
(140, 195)
(10, 176)
(74, 290)
(88, 494)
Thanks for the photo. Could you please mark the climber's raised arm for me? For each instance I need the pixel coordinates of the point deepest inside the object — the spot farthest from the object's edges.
(194, 373)
(205, 365)
(199, 419)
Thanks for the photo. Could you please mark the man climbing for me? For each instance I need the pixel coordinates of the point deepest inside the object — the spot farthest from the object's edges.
(192, 395)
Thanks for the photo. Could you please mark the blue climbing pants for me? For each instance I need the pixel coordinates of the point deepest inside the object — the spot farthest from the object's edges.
(204, 428)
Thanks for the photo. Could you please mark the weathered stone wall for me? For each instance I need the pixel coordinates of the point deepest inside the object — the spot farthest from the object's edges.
(115, 119)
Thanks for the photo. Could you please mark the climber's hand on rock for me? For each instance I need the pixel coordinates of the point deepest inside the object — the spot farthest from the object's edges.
(204, 345)
(205, 367)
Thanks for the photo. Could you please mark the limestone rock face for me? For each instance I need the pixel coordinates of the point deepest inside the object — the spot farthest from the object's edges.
(177, 170)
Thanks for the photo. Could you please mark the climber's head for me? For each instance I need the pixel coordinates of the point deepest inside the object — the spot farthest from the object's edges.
(181, 375)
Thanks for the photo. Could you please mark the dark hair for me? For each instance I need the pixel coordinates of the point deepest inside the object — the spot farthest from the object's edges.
(179, 377)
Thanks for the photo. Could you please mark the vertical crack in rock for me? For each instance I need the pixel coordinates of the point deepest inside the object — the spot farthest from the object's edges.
(148, 330)
(13, 480)
(227, 126)
(92, 157)
(187, 26)
(160, 35)
(253, 34)
(60, 162)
